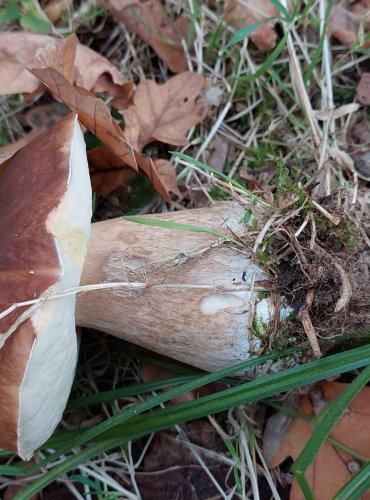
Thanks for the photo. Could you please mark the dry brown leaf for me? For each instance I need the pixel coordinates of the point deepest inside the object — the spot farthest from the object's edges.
(219, 148)
(360, 132)
(241, 13)
(19, 51)
(54, 8)
(167, 173)
(63, 59)
(92, 112)
(165, 112)
(332, 468)
(150, 21)
(107, 171)
(363, 90)
(95, 115)
(344, 25)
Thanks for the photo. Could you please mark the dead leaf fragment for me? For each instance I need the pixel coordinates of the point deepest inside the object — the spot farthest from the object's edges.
(363, 90)
(219, 148)
(344, 25)
(167, 173)
(64, 58)
(332, 468)
(19, 51)
(54, 8)
(241, 13)
(360, 132)
(150, 22)
(165, 112)
(107, 171)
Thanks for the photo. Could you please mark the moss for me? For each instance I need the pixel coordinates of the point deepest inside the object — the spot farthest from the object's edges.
(259, 327)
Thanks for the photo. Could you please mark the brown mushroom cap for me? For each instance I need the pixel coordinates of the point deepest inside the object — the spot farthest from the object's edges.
(45, 212)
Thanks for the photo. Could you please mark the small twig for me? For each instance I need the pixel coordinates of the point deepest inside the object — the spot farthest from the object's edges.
(333, 218)
(304, 316)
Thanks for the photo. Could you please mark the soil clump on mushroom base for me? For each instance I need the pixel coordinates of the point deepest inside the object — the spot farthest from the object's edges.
(330, 270)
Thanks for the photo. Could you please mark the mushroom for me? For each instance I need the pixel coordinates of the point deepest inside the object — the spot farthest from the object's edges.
(45, 206)
(183, 294)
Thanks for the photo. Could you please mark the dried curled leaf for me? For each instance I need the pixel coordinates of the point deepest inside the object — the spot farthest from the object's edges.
(166, 172)
(19, 51)
(165, 112)
(241, 13)
(332, 468)
(107, 171)
(64, 59)
(95, 115)
(150, 22)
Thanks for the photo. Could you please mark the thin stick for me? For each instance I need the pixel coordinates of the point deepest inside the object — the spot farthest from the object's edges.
(304, 316)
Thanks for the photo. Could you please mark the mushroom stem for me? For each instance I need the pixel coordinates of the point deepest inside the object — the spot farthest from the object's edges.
(199, 297)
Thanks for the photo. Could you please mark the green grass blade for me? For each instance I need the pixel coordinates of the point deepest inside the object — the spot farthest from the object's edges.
(281, 8)
(271, 58)
(244, 33)
(140, 425)
(327, 420)
(125, 392)
(255, 390)
(147, 221)
(318, 52)
(67, 465)
(218, 174)
(64, 446)
(358, 485)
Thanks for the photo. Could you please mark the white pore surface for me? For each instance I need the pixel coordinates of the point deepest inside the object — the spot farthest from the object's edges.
(50, 371)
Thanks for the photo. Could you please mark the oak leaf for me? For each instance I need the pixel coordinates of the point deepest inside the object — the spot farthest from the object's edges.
(331, 468)
(19, 51)
(94, 114)
(150, 22)
(165, 112)
(241, 13)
